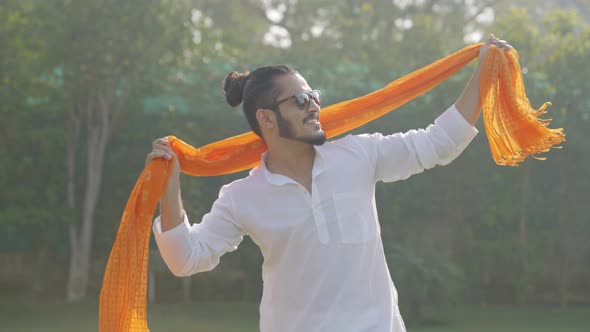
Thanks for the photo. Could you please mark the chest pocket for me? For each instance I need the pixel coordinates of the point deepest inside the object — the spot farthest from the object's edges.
(354, 216)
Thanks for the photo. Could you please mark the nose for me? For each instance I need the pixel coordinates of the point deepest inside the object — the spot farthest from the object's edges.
(313, 106)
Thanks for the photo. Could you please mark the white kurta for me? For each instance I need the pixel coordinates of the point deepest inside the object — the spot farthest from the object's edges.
(324, 265)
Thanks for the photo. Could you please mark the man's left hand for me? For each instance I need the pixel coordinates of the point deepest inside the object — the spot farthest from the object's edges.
(499, 43)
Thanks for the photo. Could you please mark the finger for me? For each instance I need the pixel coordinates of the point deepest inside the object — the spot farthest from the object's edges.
(500, 46)
(155, 155)
(165, 151)
(159, 146)
(499, 42)
(158, 154)
(162, 141)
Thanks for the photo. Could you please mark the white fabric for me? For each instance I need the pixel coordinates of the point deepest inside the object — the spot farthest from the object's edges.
(324, 265)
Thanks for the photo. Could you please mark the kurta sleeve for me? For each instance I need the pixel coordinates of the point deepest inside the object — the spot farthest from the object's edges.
(188, 249)
(398, 156)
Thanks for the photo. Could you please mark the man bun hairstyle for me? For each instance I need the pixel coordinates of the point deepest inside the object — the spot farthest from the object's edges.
(233, 87)
(255, 90)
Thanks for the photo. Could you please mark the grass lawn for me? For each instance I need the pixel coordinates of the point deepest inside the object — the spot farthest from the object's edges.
(20, 316)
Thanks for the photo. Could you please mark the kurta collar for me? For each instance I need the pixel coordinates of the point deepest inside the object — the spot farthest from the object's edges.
(319, 166)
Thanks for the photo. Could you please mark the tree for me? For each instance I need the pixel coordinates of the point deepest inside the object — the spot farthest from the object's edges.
(103, 50)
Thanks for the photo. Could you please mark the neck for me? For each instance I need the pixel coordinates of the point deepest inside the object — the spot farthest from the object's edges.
(291, 158)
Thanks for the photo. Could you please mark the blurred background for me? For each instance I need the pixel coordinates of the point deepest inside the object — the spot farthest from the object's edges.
(87, 85)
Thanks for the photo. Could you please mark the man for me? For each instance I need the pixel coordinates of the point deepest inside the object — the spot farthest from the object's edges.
(310, 206)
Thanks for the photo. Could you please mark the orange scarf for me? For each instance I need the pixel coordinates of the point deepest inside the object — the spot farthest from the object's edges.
(512, 126)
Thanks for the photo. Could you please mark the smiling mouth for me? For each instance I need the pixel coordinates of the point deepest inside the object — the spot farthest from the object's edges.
(313, 121)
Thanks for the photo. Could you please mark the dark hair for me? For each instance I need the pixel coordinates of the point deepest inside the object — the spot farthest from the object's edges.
(256, 89)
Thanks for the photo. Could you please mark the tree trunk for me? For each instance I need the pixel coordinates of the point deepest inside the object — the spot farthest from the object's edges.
(72, 149)
(151, 292)
(99, 120)
(73, 136)
(78, 276)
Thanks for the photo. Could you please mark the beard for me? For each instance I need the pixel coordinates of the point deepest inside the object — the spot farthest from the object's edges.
(286, 131)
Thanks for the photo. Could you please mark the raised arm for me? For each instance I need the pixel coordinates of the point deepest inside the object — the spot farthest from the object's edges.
(469, 103)
(188, 249)
(171, 202)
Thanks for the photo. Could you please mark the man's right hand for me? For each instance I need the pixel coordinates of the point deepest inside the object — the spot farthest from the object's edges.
(161, 149)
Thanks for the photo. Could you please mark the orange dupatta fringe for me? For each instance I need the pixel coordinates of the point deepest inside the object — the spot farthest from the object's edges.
(512, 126)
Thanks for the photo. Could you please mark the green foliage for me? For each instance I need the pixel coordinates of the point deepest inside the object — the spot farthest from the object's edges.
(451, 234)
(423, 279)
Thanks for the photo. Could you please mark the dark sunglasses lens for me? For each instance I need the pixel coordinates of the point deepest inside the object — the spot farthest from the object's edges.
(315, 94)
(302, 100)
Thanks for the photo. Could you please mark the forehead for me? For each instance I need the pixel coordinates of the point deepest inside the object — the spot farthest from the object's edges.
(290, 84)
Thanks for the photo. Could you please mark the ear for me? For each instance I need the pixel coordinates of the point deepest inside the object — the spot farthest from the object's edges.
(266, 118)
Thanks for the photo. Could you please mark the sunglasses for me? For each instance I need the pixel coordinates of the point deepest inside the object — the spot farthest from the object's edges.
(303, 99)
